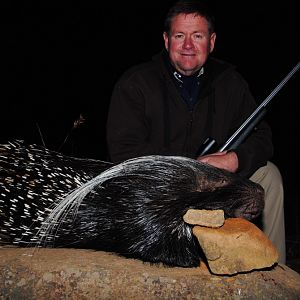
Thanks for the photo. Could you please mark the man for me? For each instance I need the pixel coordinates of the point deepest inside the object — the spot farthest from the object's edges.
(170, 105)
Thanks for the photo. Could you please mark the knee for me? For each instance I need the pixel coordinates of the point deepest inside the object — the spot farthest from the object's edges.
(269, 177)
(273, 171)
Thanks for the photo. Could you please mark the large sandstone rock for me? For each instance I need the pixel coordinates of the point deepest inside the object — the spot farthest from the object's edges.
(237, 246)
(83, 274)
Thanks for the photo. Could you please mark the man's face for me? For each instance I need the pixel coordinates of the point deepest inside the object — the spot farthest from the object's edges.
(189, 43)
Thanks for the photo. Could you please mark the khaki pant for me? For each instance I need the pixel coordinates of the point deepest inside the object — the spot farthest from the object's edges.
(273, 215)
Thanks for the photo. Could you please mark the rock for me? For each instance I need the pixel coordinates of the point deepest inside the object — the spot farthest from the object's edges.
(75, 274)
(237, 246)
(203, 217)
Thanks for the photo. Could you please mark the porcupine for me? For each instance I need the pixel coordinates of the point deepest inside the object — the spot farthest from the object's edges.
(134, 209)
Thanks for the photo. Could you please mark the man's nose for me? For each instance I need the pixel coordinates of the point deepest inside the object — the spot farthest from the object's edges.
(188, 43)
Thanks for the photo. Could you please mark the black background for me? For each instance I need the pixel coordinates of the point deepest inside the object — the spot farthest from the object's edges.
(60, 60)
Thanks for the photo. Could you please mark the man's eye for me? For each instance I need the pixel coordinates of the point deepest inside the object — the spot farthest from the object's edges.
(198, 36)
(179, 36)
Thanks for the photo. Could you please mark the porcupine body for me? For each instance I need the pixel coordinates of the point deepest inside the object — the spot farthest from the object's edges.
(134, 208)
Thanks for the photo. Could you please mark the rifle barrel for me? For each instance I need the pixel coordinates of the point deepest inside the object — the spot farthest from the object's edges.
(260, 107)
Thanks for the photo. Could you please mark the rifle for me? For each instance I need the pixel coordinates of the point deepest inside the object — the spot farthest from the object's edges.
(210, 145)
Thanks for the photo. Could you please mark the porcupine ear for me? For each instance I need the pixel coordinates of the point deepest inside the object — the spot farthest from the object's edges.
(204, 200)
(194, 199)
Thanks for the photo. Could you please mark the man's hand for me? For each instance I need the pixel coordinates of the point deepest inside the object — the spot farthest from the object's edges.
(223, 160)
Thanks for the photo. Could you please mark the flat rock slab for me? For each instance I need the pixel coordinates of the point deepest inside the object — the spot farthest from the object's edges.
(27, 273)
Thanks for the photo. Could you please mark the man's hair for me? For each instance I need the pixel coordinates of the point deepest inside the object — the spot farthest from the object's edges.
(197, 7)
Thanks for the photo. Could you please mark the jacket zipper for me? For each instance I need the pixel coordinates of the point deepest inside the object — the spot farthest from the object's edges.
(189, 133)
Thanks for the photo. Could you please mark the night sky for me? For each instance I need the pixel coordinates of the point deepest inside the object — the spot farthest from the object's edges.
(60, 61)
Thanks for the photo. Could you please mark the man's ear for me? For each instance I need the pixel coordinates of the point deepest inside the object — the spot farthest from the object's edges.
(166, 39)
(212, 42)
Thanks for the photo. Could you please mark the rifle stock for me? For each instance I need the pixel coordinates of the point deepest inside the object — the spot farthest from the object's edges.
(210, 145)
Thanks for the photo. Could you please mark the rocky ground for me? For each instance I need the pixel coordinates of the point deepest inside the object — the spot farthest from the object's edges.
(84, 274)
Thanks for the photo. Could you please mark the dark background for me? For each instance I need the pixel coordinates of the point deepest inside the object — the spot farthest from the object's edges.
(60, 61)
